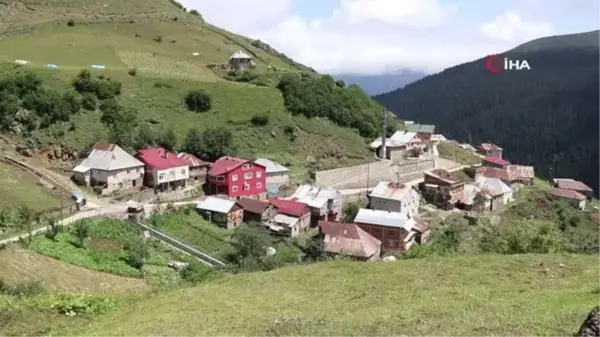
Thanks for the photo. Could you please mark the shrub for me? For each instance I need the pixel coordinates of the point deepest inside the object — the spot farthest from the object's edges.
(194, 12)
(260, 119)
(137, 253)
(89, 101)
(132, 72)
(198, 101)
(158, 39)
(70, 23)
(21, 289)
(196, 272)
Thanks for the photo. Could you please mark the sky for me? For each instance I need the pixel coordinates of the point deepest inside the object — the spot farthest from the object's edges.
(379, 36)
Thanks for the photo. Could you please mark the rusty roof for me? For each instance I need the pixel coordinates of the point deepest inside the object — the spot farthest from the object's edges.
(494, 172)
(391, 190)
(421, 225)
(253, 205)
(567, 194)
(348, 239)
(571, 184)
(192, 160)
(444, 175)
(521, 171)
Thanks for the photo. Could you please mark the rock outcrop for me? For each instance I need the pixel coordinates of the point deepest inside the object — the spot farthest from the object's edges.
(591, 325)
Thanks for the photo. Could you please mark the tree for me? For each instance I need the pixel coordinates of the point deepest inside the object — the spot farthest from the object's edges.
(250, 241)
(479, 201)
(145, 137)
(349, 211)
(216, 142)
(137, 252)
(196, 272)
(82, 232)
(25, 217)
(89, 101)
(168, 139)
(314, 250)
(198, 101)
(193, 142)
(54, 229)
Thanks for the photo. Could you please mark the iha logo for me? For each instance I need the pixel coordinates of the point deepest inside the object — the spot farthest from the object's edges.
(497, 63)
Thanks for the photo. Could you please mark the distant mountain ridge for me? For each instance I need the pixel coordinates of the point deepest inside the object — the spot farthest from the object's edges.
(379, 84)
(547, 117)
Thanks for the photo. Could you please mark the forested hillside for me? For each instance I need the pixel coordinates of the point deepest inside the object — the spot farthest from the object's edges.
(547, 117)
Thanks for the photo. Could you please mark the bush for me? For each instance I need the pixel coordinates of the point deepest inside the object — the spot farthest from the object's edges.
(194, 12)
(260, 120)
(103, 87)
(137, 253)
(158, 39)
(198, 101)
(196, 272)
(132, 72)
(89, 101)
(21, 289)
(70, 23)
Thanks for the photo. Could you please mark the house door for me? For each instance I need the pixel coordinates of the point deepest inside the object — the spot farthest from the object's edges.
(134, 183)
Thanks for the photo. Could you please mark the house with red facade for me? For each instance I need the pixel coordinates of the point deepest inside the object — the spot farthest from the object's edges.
(164, 171)
(396, 231)
(236, 178)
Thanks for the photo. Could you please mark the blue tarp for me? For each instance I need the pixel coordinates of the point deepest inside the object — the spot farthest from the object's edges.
(273, 190)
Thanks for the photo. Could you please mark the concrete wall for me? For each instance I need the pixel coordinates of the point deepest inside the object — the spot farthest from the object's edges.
(357, 176)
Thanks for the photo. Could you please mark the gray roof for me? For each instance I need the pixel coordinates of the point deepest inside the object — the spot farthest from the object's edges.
(217, 205)
(240, 55)
(315, 196)
(107, 157)
(271, 166)
(283, 219)
(420, 128)
(384, 218)
(492, 186)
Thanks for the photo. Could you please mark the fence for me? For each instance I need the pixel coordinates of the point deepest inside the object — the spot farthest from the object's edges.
(209, 260)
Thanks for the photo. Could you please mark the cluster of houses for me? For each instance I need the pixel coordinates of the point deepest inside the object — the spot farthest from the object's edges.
(398, 146)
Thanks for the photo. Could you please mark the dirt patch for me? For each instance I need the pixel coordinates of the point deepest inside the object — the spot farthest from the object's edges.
(105, 244)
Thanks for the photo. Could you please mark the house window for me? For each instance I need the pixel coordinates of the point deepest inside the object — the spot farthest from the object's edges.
(248, 175)
(220, 178)
(234, 188)
(161, 176)
(258, 174)
(391, 243)
(234, 177)
(246, 186)
(258, 185)
(183, 171)
(247, 166)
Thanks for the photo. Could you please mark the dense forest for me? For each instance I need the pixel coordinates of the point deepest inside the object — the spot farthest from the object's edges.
(547, 117)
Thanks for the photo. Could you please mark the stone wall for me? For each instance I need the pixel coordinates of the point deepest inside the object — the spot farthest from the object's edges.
(373, 173)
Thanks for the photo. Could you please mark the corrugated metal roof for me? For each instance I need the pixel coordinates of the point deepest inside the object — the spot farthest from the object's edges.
(314, 196)
(107, 157)
(271, 166)
(343, 238)
(568, 194)
(240, 55)
(283, 219)
(521, 171)
(439, 137)
(391, 190)
(384, 218)
(492, 186)
(571, 184)
(403, 137)
(420, 128)
(215, 204)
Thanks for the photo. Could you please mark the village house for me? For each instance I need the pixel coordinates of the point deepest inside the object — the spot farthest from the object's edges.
(256, 210)
(522, 174)
(108, 168)
(396, 231)
(325, 203)
(425, 132)
(237, 178)
(223, 212)
(438, 138)
(349, 240)
(574, 185)
(442, 188)
(502, 174)
(573, 197)
(277, 174)
(198, 167)
(493, 192)
(291, 218)
(164, 170)
(489, 149)
(241, 61)
(492, 161)
(398, 145)
(395, 197)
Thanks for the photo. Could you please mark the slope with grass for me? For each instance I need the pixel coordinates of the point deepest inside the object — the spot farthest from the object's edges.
(451, 296)
(159, 59)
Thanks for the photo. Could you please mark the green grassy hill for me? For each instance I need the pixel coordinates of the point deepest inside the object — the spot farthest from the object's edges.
(160, 53)
(476, 295)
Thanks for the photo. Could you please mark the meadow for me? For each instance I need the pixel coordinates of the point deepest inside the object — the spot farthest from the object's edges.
(20, 188)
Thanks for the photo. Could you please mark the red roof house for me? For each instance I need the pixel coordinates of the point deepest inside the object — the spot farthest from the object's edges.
(493, 161)
(573, 197)
(236, 177)
(198, 167)
(574, 185)
(290, 207)
(164, 170)
(291, 217)
(349, 239)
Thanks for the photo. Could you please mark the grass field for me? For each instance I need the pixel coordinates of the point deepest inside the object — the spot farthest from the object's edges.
(453, 152)
(19, 188)
(21, 266)
(104, 249)
(194, 231)
(483, 295)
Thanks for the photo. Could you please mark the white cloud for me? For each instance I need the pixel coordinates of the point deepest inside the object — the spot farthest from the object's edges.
(511, 27)
(371, 36)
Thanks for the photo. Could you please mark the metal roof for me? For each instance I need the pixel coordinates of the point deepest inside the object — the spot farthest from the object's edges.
(107, 157)
(217, 205)
(420, 128)
(314, 196)
(240, 55)
(290, 221)
(271, 166)
(391, 190)
(384, 218)
(399, 138)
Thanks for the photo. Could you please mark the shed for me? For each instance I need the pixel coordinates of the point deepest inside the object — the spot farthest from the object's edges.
(224, 212)
(277, 174)
(256, 210)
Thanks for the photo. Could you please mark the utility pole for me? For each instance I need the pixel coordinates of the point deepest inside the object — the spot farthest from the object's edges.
(384, 135)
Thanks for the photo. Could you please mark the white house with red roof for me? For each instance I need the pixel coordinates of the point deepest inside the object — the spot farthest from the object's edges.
(164, 170)
(236, 178)
(291, 218)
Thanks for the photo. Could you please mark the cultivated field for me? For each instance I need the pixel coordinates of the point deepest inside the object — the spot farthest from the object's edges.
(468, 295)
(21, 266)
(20, 188)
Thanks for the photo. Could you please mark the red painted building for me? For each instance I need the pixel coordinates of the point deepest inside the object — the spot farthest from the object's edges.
(237, 178)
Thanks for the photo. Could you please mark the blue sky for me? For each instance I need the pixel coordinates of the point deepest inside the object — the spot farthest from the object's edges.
(376, 36)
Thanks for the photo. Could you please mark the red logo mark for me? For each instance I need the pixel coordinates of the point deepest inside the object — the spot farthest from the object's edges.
(494, 63)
